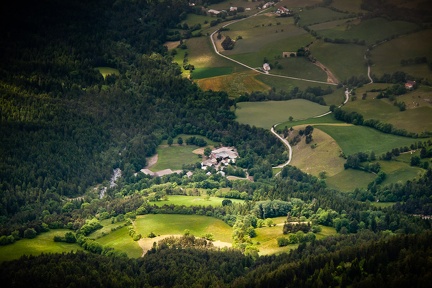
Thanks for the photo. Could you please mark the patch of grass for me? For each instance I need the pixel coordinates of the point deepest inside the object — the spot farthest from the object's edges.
(267, 237)
(235, 84)
(319, 15)
(193, 201)
(121, 241)
(387, 56)
(344, 60)
(325, 157)
(287, 84)
(371, 30)
(105, 71)
(321, 120)
(353, 139)
(399, 172)
(43, 243)
(417, 118)
(106, 229)
(298, 67)
(167, 224)
(173, 157)
(349, 179)
(266, 114)
(326, 231)
(382, 204)
(208, 72)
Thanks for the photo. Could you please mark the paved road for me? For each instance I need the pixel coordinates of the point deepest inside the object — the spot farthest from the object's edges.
(284, 141)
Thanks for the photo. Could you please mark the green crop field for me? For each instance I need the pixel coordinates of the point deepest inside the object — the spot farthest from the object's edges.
(349, 179)
(43, 243)
(387, 56)
(193, 201)
(319, 15)
(353, 139)
(298, 67)
(167, 224)
(105, 71)
(371, 30)
(286, 84)
(173, 157)
(343, 60)
(121, 241)
(266, 114)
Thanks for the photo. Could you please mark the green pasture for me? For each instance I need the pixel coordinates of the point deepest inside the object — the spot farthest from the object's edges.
(320, 120)
(286, 84)
(278, 38)
(43, 243)
(340, 25)
(298, 67)
(169, 224)
(387, 56)
(207, 72)
(319, 15)
(121, 241)
(173, 157)
(382, 204)
(298, 3)
(181, 200)
(344, 60)
(105, 71)
(414, 119)
(201, 54)
(335, 98)
(265, 114)
(352, 6)
(194, 19)
(371, 30)
(353, 139)
(349, 179)
(399, 172)
(106, 229)
(267, 239)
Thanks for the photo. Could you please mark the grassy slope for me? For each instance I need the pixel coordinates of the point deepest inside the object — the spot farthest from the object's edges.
(173, 157)
(121, 241)
(387, 57)
(325, 157)
(347, 5)
(353, 139)
(343, 60)
(162, 224)
(371, 30)
(266, 114)
(193, 201)
(319, 15)
(348, 180)
(417, 117)
(43, 243)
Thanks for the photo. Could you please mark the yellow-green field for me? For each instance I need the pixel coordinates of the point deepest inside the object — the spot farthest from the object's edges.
(193, 201)
(348, 180)
(43, 243)
(121, 241)
(266, 114)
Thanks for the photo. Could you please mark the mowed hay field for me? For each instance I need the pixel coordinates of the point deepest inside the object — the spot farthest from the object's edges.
(326, 156)
(43, 243)
(265, 114)
(343, 60)
(168, 224)
(353, 139)
(387, 56)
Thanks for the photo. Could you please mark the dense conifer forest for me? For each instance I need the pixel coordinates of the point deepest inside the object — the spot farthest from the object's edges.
(64, 128)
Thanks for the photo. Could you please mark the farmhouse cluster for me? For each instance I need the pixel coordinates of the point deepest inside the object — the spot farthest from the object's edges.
(220, 157)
